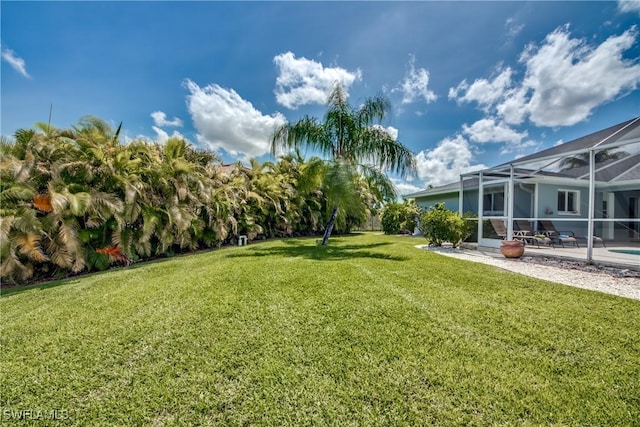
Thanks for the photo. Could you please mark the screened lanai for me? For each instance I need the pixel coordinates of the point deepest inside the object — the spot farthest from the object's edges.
(588, 189)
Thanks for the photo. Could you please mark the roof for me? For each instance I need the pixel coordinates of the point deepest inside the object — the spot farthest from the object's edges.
(447, 188)
(619, 134)
(548, 163)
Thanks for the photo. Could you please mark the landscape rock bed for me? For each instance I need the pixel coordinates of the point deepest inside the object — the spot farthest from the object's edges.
(615, 280)
(582, 266)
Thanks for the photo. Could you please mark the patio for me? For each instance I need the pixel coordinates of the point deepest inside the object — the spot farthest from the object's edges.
(601, 255)
(584, 191)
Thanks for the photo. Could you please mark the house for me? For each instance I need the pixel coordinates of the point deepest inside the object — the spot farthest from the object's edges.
(590, 186)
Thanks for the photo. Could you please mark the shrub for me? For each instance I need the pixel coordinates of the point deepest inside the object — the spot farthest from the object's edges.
(441, 225)
(472, 227)
(399, 217)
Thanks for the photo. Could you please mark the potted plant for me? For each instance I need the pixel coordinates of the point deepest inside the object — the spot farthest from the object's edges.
(512, 248)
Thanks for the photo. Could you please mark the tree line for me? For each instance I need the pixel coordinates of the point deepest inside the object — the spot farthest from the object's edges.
(78, 199)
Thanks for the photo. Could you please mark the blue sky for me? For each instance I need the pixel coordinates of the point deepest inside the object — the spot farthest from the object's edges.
(472, 84)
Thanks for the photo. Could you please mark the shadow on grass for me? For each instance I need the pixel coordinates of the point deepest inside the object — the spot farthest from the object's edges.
(40, 286)
(311, 250)
(71, 279)
(298, 247)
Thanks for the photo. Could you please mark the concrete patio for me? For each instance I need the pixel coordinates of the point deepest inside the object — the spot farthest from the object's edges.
(601, 255)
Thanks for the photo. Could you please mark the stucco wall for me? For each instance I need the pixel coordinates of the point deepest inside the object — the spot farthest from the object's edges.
(450, 200)
(548, 201)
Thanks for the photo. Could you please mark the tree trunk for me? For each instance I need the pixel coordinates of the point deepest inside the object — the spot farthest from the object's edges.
(327, 231)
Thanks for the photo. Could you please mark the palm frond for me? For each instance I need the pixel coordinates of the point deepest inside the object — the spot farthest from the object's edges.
(43, 202)
(17, 192)
(59, 202)
(58, 254)
(78, 202)
(105, 205)
(379, 183)
(26, 220)
(114, 253)
(29, 245)
(306, 131)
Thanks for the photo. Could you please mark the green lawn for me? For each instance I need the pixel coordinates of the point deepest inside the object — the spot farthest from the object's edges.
(369, 331)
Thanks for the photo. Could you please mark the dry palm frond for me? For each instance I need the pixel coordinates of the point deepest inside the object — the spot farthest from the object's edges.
(143, 248)
(29, 245)
(58, 254)
(58, 201)
(43, 202)
(114, 253)
(6, 223)
(68, 234)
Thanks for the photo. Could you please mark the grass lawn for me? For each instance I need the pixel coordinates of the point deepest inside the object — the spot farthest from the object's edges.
(368, 331)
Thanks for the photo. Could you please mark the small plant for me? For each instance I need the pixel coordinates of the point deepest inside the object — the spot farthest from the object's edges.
(399, 218)
(441, 225)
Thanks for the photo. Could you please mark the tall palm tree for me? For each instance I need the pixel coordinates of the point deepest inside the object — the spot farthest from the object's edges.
(352, 139)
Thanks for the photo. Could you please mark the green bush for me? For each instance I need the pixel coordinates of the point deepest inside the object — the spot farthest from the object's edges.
(472, 226)
(397, 217)
(441, 225)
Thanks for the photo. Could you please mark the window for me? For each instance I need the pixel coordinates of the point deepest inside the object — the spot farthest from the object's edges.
(493, 203)
(568, 201)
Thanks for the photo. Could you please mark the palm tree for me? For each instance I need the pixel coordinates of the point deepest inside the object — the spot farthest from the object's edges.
(302, 183)
(352, 140)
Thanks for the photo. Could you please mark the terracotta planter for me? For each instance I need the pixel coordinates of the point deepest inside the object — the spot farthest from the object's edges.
(512, 248)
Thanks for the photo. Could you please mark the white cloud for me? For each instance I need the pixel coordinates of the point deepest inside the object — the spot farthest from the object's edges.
(224, 120)
(482, 91)
(513, 28)
(513, 108)
(405, 187)
(16, 62)
(490, 130)
(565, 79)
(521, 149)
(415, 85)
(162, 136)
(632, 6)
(446, 162)
(568, 78)
(160, 119)
(393, 132)
(303, 81)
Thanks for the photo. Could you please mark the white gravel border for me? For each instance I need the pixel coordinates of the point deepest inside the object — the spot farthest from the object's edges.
(627, 287)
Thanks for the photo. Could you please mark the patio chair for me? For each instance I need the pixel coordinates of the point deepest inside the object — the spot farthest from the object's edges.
(523, 225)
(529, 236)
(499, 228)
(561, 237)
(566, 236)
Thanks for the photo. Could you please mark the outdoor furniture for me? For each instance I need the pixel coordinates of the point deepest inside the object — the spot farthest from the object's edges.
(499, 228)
(524, 226)
(533, 239)
(561, 237)
(522, 235)
(526, 234)
(565, 236)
